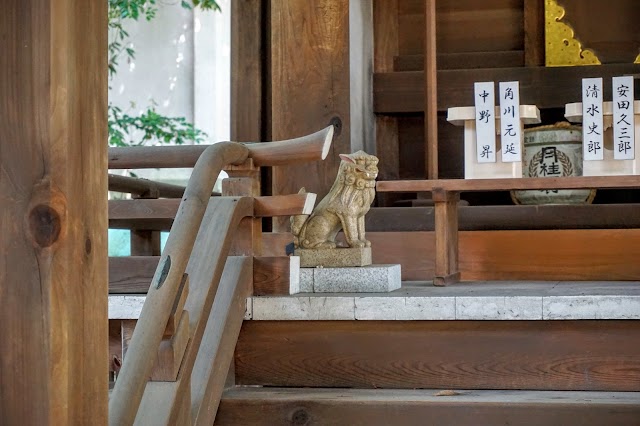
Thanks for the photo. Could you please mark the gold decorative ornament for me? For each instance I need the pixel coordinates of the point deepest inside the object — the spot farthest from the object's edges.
(562, 49)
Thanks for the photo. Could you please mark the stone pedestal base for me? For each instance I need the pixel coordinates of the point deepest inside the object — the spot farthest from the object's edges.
(338, 257)
(365, 279)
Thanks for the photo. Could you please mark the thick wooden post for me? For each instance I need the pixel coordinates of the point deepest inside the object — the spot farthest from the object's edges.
(309, 71)
(430, 91)
(53, 219)
(446, 227)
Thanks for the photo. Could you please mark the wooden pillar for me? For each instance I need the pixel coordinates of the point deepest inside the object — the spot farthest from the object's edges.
(247, 71)
(446, 229)
(534, 33)
(431, 92)
(309, 77)
(53, 220)
(385, 44)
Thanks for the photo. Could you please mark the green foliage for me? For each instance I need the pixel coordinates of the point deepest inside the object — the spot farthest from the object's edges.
(150, 126)
(124, 128)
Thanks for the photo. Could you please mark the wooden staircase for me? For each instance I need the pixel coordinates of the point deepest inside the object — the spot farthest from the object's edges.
(480, 353)
(310, 364)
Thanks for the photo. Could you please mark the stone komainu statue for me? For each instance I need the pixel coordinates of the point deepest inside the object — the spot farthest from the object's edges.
(344, 206)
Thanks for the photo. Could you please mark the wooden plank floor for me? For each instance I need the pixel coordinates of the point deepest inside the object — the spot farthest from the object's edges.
(264, 406)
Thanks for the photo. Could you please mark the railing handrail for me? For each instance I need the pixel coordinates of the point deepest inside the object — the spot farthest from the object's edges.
(298, 150)
(137, 366)
(146, 188)
(130, 386)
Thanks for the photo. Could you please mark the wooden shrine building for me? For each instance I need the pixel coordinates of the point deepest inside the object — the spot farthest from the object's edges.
(508, 314)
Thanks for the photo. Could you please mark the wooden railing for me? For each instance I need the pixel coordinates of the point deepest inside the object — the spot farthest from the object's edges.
(204, 231)
(446, 194)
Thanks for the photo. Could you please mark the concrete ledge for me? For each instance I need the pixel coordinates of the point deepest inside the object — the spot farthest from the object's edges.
(421, 301)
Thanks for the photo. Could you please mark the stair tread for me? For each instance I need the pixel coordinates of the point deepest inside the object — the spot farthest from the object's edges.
(489, 300)
(486, 300)
(350, 396)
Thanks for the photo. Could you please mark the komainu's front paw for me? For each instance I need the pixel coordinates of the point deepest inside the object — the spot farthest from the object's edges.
(326, 245)
(359, 244)
(367, 243)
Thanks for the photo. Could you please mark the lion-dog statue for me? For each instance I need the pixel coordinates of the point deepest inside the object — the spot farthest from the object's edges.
(344, 207)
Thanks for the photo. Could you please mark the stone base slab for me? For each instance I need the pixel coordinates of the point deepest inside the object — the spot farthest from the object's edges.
(337, 257)
(362, 279)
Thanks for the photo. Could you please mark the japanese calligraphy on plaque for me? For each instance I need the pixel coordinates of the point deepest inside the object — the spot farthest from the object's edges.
(485, 122)
(623, 116)
(592, 121)
(510, 121)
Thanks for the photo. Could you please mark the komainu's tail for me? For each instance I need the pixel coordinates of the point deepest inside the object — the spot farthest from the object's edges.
(298, 221)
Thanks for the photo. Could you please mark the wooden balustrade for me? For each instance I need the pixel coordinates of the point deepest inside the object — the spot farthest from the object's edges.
(199, 245)
(446, 193)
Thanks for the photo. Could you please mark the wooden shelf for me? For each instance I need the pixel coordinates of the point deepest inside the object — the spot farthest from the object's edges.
(403, 92)
(480, 185)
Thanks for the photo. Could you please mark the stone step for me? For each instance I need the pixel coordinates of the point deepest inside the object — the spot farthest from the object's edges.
(497, 300)
(279, 406)
(550, 300)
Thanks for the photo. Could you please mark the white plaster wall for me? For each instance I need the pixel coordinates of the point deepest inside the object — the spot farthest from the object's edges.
(182, 65)
(163, 68)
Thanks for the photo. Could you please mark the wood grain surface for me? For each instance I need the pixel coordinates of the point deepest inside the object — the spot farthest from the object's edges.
(588, 255)
(272, 275)
(247, 71)
(131, 274)
(534, 355)
(309, 86)
(53, 239)
(269, 406)
(484, 185)
(496, 25)
(403, 92)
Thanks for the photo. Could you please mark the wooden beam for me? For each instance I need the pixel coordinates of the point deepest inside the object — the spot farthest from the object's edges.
(53, 248)
(462, 60)
(534, 355)
(284, 205)
(403, 92)
(158, 214)
(144, 188)
(375, 407)
(303, 36)
(131, 274)
(573, 255)
(273, 275)
(494, 218)
(508, 184)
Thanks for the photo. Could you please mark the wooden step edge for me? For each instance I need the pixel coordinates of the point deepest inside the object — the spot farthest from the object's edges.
(253, 393)
(258, 406)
